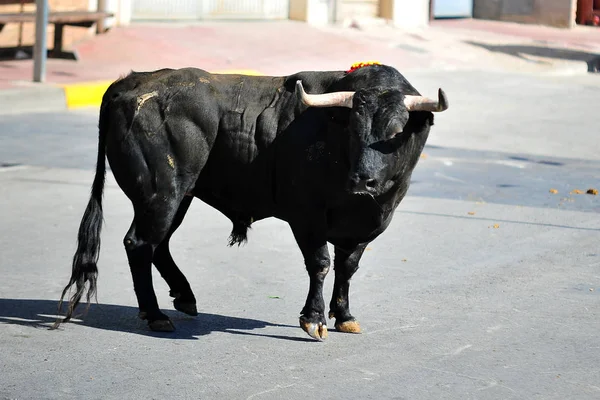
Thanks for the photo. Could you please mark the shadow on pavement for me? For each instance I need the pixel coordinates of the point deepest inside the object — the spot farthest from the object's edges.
(509, 221)
(592, 59)
(41, 314)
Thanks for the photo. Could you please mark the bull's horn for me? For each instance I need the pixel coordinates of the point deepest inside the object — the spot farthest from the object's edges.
(420, 103)
(335, 99)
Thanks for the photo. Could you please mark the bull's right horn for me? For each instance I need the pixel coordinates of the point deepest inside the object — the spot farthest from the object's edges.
(420, 103)
(335, 99)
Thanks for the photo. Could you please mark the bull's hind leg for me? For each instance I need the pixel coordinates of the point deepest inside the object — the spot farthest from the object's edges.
(316, 257)
(345, 265)
(151, 224)
(179, 287)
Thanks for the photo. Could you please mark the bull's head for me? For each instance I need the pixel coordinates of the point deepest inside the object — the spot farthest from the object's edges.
(383, 145)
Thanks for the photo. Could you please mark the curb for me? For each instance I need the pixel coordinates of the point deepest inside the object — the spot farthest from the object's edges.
(36, 98)
(89, 94)
(60, 97)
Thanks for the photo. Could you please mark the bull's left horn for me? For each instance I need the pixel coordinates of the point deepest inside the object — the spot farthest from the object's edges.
(420, 103)
(335, 99)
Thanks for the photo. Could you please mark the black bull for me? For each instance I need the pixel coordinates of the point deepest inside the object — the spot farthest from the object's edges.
(333, 164)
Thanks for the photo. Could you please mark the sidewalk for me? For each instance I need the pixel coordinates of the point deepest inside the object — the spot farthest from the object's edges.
(283, 47)
(471, 44)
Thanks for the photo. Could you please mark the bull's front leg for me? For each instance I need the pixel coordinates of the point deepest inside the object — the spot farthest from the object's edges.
(345, 265)
(313, 245)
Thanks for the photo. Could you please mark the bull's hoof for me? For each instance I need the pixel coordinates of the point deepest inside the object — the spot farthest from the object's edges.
(350, 326)
(161, 325)
(185, 307)
(316, 330)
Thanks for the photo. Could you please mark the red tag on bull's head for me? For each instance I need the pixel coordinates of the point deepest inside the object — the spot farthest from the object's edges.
(361, 64)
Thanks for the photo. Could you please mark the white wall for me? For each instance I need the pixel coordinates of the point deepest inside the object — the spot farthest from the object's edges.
(406, 14)
(314, 12)
(120, 8)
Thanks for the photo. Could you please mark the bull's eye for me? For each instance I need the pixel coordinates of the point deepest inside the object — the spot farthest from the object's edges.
(396, 134)
(395, 130)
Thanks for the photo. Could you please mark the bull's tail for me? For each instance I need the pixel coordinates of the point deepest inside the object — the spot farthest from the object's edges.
(84, 268)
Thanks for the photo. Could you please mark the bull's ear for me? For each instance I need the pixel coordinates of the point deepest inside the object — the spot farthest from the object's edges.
(360, 98)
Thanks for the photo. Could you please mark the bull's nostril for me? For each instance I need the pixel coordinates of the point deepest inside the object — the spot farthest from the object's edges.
(363, 184)
(370, 183)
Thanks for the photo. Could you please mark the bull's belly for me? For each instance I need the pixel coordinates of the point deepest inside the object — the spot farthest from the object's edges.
(237, 203)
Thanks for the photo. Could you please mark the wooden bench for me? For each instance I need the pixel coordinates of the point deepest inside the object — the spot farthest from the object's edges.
(59, 19)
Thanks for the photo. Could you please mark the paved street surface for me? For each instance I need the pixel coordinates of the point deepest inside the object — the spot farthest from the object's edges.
(485, 286)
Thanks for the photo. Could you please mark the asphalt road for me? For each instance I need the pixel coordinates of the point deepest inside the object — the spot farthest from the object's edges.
(485, 285)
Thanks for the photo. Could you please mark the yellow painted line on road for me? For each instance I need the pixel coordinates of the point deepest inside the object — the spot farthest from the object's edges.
(85, 94)
(89, 94)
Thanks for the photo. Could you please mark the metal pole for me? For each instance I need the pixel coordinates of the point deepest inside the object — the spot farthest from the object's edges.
(40, 48)
(100, 28)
